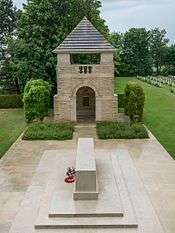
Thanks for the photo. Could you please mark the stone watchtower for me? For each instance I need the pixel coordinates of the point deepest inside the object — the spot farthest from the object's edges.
(85, 74)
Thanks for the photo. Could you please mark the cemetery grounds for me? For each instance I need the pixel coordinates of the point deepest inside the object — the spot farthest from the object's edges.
(159, 113)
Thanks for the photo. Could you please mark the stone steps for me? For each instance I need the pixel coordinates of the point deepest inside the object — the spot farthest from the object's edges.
(81, 223)
(89, 230)
(85, 215)
(107, 205)
(67, 214)
(136, 205)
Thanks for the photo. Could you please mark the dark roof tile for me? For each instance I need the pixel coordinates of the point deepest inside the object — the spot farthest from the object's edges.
(84, 38)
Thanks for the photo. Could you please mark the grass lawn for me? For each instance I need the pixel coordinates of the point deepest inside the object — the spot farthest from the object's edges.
(159, 113)
(11, 126)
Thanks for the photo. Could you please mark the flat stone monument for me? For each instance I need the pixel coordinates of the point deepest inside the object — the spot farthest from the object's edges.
(86, 186)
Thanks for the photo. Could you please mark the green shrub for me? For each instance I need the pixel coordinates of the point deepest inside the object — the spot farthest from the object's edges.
(172, 90)
(37, 95)
(11, 101)
(134, 101)
(49, 131)
(121, 100)
(114, 130)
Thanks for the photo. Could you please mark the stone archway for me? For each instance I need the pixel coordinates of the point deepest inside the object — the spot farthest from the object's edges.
(85, 104)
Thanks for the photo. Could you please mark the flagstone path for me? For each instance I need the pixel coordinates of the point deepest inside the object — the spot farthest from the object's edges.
(154, 165)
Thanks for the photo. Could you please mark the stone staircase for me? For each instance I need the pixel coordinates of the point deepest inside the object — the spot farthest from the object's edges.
(123, 205)
(113, 209)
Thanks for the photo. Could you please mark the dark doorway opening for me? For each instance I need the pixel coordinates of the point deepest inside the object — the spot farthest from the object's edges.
(85, 104)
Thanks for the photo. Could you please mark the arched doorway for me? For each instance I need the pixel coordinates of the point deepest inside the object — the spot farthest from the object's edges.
(85, 104)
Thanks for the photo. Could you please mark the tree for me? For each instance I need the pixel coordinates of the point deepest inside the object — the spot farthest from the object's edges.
(37, 94)
(134, 101)
(42, 26)
(158, 42)
(8, 16)
(8, 19)
(135, 52)
(116, 40)
(8, 80)
(169, 60)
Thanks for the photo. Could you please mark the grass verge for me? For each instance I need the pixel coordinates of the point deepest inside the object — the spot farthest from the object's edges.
(12, 124)
(49, 131)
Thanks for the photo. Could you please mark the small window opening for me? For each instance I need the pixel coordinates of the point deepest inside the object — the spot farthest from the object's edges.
(85, 59)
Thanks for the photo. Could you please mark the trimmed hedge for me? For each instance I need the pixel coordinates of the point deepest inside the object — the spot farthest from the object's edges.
(11, 101)
(49, 131)
(134, 101)
(114, 130)
(121, 100)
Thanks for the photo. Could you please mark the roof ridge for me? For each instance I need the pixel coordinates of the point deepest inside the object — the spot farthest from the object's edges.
(82, 38)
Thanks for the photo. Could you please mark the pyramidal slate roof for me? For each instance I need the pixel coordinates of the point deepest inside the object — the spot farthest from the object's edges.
(84, 38)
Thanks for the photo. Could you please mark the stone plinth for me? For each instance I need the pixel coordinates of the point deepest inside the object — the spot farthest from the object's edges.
(86, 187)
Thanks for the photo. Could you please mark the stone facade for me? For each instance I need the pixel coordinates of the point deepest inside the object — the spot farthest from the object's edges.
(79, 84)
(69, 81)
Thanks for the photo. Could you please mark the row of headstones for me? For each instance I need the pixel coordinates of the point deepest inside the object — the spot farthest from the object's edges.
(158, 81)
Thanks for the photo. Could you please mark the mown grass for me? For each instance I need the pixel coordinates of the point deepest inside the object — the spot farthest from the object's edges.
(49, 131)
(12, 124)
(114, 130)
(159, 112)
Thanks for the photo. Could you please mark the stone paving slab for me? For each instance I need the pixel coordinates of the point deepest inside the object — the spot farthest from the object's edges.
(145, 213)
(28, 212)
(107, 185)
(126, 177)
(108, 204)
(154, 165)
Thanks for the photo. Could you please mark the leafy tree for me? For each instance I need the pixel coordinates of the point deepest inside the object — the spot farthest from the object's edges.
(158, 42)
(169, 60)
(42, 26)
(134, 101)
(116, 40)
(8, 16)
(8, 19)
(8, 80)
(37, 94)
(135, 52)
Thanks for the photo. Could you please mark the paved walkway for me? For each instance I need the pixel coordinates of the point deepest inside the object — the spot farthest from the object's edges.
(154, 165)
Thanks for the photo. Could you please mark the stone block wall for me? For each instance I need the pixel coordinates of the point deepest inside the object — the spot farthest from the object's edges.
(69, 80)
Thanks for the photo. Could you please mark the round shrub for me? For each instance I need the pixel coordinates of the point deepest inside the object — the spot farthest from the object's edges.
(37, 94)
(134, 101)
